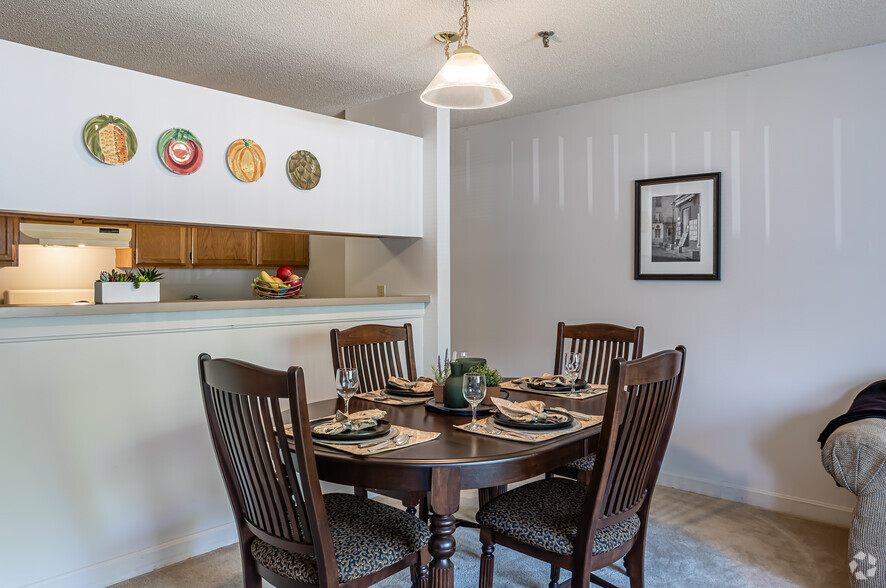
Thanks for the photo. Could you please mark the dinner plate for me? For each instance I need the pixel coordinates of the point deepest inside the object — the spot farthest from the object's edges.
(410, 393)
(382, 428)
(579, 385)
(389, 435)
(527, 388)
(504, 420)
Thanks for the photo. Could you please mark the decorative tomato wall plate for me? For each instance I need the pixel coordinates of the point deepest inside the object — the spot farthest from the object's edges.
(180, 151)
(304, 170)
(109, 139)
(246, 160)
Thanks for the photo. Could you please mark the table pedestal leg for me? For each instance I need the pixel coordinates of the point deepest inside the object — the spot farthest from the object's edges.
(442, 547)
(445, 491)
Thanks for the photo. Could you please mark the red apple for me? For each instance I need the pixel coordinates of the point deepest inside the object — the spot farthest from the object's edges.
(283, 272)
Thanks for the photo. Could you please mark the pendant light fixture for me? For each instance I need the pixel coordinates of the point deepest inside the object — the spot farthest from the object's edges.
(466, 81)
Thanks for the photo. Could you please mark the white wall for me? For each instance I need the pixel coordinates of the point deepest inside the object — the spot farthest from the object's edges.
(370, 184)
(411, 266)
(108, 470)
(542, 231)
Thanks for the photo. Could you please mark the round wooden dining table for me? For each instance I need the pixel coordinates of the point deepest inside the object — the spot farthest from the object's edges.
(456, 460)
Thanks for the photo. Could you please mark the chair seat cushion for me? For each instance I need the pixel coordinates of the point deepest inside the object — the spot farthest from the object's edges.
(367, 535)
(545, 514)
(585, 464)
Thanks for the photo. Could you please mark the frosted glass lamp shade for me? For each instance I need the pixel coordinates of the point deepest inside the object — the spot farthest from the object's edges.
(466, 82)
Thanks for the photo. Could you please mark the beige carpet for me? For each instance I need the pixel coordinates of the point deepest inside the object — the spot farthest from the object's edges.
(693, 541)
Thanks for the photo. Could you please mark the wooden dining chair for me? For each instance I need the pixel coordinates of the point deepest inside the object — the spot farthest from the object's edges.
(378, 352)
(290, 534)
(599, 344)
(585, 528)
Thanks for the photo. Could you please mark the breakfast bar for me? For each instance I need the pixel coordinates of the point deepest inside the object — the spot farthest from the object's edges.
(109, 395)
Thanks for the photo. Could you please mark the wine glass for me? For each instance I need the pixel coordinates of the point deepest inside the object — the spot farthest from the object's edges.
(456, 355)
(473, 388)
(346, 383)
(572, 365)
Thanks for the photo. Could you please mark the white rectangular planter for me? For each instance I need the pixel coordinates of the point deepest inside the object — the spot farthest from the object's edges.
(112, 292)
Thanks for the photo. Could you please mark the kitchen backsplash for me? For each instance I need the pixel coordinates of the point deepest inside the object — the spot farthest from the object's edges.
(75, 267)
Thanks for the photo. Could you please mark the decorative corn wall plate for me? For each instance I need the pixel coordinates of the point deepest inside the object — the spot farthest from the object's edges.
(180, 151)
(109, 139)
(304, 170)
(246, 160)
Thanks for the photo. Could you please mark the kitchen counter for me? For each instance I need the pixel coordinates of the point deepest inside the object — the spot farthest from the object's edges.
(14, 311)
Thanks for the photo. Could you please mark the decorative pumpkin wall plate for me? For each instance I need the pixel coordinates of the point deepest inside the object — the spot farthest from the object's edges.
(109, 139)
(303, 169)
(246, 160)
(180, 151)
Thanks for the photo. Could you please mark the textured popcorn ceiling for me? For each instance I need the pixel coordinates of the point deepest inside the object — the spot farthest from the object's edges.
(326, 55)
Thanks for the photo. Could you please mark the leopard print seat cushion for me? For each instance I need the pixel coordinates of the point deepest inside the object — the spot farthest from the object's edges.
(545, 514)
(367, 535)
(585, 464)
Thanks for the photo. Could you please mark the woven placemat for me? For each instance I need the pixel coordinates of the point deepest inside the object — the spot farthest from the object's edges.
(392, 400)
(417, 438)
(595, 390)
(526, 436)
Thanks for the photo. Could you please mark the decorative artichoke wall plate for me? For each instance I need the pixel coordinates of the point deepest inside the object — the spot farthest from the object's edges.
(246, 160)
(303, 169)
(109, 139)
(180, 151)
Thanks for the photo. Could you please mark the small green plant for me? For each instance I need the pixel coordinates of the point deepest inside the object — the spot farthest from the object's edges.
(441, 371)
(137, 277)
(493, 378)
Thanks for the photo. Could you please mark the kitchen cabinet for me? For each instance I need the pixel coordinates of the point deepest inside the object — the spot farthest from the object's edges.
(8, 240)
(222, 248)
(214, 247)
(276, 248)
(161, 245)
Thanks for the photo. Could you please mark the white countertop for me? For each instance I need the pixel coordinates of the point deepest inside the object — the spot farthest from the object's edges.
(13, 311)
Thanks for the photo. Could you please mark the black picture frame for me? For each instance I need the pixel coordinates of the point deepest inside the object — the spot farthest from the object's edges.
(677, 228)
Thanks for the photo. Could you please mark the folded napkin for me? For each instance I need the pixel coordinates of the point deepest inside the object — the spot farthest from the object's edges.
(420, 385)
(545, 381)
(359, 420)
(530, 411)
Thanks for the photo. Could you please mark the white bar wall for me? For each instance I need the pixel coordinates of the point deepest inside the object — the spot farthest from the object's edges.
(371, 182)
(795, 327)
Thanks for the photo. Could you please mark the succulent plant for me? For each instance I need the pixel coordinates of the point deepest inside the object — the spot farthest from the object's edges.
(140, 275)
(493, 378)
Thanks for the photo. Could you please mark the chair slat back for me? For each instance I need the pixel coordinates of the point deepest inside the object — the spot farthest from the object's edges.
(274, 495)
(640, 408)
(377, 351)
(599, 344)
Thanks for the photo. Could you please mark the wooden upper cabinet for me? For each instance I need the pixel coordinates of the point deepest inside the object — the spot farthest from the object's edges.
(222, 248)
(161, 245)
(214, 247)
(276, 248)
(8, 240)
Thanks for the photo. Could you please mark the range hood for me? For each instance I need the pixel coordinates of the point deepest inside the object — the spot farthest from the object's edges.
(75, 235)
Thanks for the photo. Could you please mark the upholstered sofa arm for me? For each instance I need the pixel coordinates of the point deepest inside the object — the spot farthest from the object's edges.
(855, 455)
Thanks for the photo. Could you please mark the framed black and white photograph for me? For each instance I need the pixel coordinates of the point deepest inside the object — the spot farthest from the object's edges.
(677, 228)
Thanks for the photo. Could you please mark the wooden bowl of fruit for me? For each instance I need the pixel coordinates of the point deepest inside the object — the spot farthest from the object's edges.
(283, 285)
